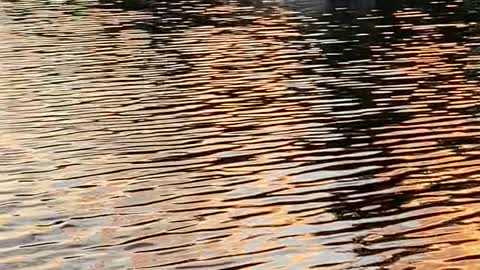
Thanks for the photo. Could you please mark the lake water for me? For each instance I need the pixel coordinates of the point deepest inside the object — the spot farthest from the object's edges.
(239, 134)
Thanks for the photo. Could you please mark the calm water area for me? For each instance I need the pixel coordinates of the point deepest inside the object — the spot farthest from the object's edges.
(240, 134)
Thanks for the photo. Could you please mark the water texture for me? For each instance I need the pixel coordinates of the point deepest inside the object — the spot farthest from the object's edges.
(239, 134)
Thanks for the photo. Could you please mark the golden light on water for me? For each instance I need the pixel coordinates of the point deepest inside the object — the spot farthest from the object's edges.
(239, 135)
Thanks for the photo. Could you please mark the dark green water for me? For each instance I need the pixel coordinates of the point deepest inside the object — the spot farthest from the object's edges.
(239, 134)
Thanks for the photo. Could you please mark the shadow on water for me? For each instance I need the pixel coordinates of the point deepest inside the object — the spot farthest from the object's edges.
(243, 134)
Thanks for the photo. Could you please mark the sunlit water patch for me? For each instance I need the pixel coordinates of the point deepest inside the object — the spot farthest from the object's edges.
(239, 134)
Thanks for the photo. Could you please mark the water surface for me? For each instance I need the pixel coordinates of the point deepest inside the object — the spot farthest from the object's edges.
(239, 134)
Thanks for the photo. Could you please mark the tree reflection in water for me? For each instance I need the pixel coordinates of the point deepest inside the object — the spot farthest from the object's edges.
(240, 134)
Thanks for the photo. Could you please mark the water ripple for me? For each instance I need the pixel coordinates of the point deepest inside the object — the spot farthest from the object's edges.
(242, 134)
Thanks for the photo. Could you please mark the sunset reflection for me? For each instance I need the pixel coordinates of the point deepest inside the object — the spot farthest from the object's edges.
(239, 134)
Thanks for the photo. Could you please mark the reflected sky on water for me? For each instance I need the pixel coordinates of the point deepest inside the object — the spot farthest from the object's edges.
(239, 134)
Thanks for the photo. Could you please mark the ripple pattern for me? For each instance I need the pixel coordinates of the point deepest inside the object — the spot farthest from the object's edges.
(239, 134)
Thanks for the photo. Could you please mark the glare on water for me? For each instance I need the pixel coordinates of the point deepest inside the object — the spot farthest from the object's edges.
(239, 134)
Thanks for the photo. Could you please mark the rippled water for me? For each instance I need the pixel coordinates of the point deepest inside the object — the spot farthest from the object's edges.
(236, 134)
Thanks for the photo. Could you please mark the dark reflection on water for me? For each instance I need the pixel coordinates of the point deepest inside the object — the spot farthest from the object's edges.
(239, 134)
